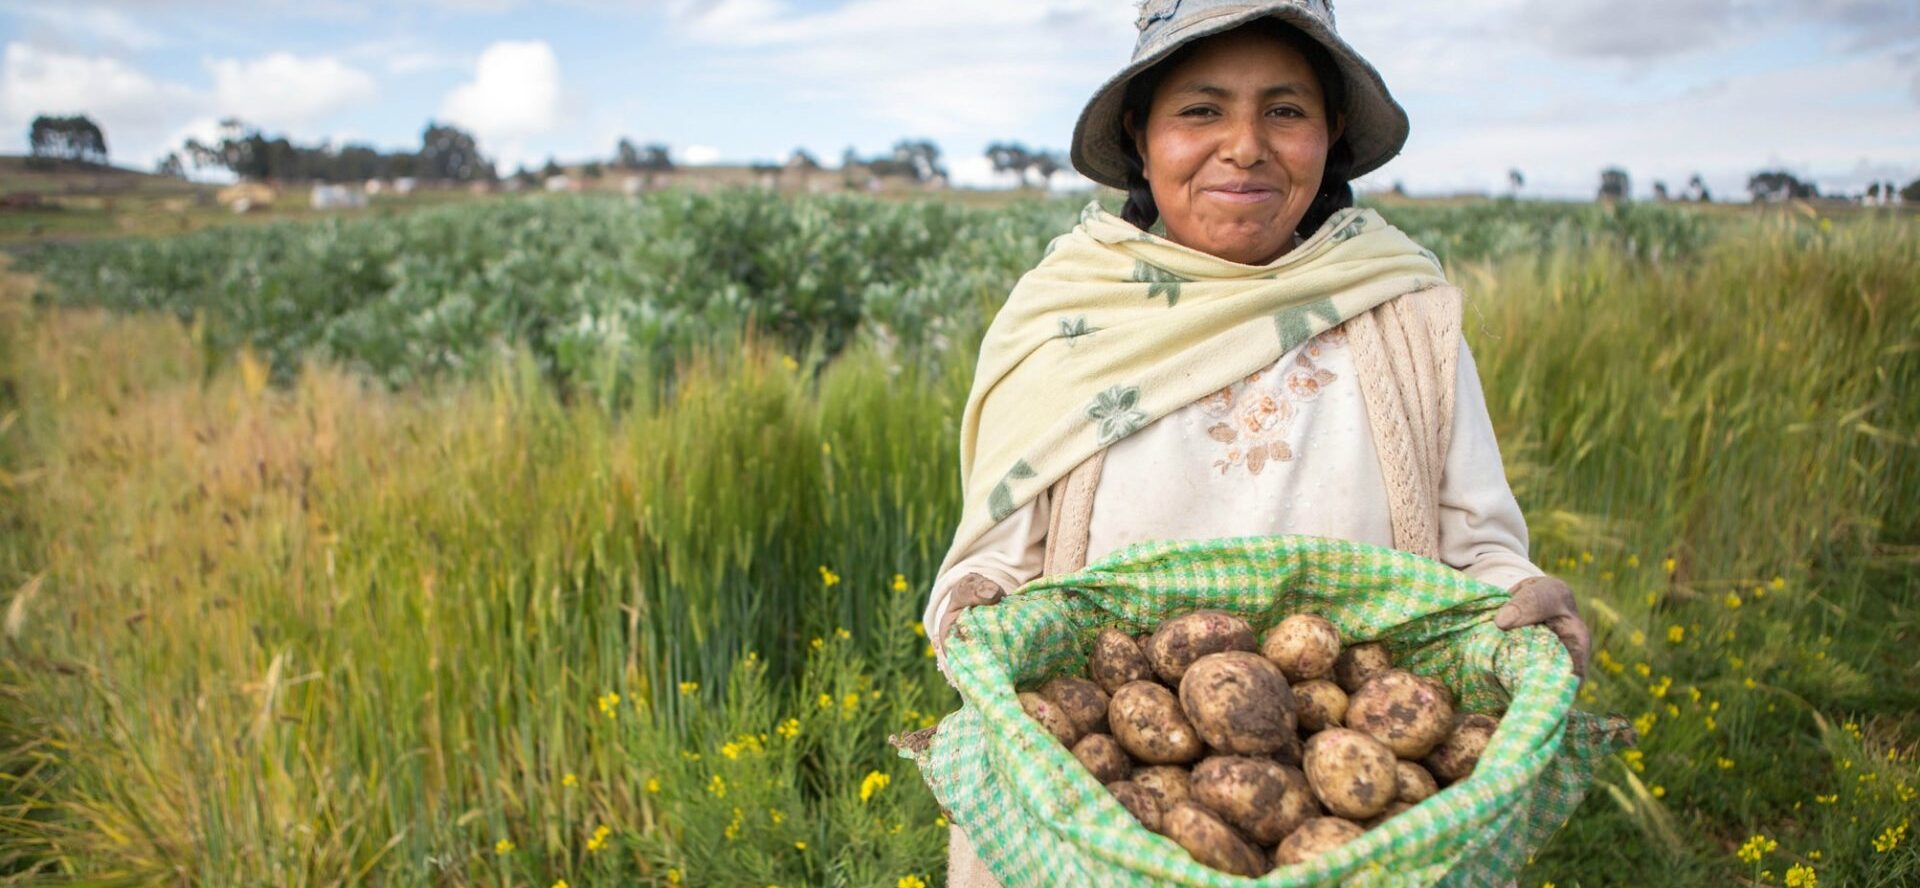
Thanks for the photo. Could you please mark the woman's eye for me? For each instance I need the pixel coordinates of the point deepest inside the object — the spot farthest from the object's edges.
(1194, 112)
(1287, 111)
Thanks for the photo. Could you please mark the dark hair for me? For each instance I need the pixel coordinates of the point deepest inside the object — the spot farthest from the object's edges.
(1336, 191)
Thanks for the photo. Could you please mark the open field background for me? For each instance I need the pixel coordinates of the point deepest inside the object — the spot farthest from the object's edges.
(576, 539)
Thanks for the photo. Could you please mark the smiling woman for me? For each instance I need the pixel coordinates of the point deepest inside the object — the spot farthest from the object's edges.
(1278, 363)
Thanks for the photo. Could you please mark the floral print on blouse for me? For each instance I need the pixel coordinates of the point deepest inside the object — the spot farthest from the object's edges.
(1253, 417)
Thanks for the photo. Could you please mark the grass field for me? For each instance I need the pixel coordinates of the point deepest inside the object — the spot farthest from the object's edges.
(569, 540)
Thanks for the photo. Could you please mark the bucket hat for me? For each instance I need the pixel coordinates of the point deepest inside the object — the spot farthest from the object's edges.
(1376, 124)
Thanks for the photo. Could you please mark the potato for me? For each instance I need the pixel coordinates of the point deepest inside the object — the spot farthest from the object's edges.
(1358, 663)
(1314, 838)
(1051, 717)
(1409, 713)
(1319, 704)
(1351, 773)
(1394, 808)
(1103, 756)
(1304, 646)
(1180, 641)
(1457, 755)
(1292, 751)
(1116, 660)
(1084, 702)
(1263, 799)
(1238, 702)
(1170, 784)
(1211, 841)
(1147, 720)
(1142, 804)
(1415, 784)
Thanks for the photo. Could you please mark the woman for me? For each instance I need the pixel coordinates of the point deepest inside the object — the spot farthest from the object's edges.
(1277, 363)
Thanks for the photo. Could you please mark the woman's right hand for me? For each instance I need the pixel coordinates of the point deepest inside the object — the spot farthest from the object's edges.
(970, 591)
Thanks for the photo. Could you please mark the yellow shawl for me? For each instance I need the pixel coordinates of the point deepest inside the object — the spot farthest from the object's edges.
(1117, 327)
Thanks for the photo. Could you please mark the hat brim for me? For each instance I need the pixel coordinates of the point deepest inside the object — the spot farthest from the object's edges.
(1376, 124)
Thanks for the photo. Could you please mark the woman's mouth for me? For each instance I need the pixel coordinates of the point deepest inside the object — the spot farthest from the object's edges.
(1241, 194)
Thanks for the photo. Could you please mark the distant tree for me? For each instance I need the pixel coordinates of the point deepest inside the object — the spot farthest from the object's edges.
(449, 153)
(921, 158)
(626, 155)
(849, 158)
(1911, 193)
(551, 169)
(1773, 186)
(802, 159)
(1660, 191)
(1515, 180)
(591, 169)
(1697, 190)
(171, 166)
(1399, 188)
(1614, 185)
(526, 176)
(67, 138)
(1047, 164)
(1873, 192)
(655, 156)
(1010, 157)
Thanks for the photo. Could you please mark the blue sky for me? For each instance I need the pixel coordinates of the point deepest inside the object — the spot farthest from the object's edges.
(1829, 89)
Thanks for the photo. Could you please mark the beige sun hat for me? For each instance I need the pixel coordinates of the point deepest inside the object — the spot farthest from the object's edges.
(1376, 124)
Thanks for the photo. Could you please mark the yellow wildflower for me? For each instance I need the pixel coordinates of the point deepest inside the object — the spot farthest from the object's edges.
(1724, 763)
(1778, 583)
(940, 821)
(1659, 688)
(841, 633)
(1638, 638)
(689, 688)
(1749, 682)
(1644, 670)
(1826, 799)
(1644, 724)
(872, 783)
(1633, 561)
(776, 816)
(1712, 724)
(1586, 557)
(1669, 565)
(608, 702)
(599, 840)
(849, 703)
(929, 651)
(1890, 839)
(1801, 876)
(910, 881)
(1658, 791)
(817, 643)
(503, 847)
(1676, 634)
(828, 578)
(788, 362)
(569, 780)
(826, 449)
(919, 628)
(826, 701)
(1635, 759)
(799, 846)
(1607, 662)
(1756, 847)
(1814, 855)
(673, 876)
(731, 750)
(789, 728)
(561, 884)
(717, 786)
(653, 785)
(899, 582)
(1733, 601)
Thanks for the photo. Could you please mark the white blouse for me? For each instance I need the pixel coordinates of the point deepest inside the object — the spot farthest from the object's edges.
(1286, 450)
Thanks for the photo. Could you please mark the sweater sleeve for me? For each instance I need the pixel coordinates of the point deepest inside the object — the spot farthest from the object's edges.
(1010, 553)
(1481, 529)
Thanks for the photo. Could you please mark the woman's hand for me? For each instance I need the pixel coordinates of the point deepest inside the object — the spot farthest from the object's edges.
(1548, 600)
(972, 589)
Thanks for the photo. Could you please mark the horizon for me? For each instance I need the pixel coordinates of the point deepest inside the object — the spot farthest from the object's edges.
(1660, 89)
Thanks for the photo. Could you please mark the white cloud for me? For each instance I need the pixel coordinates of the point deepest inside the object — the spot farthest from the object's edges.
(135, 110)
(285, 91)
(699, 155)
(90, 24)
(515, 95)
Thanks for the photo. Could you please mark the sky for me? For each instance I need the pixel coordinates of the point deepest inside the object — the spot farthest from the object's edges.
(1557, 89)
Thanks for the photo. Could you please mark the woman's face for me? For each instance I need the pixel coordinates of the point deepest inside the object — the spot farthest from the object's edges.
(1234, 146)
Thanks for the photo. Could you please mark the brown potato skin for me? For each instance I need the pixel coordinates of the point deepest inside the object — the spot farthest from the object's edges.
(1050, 717)
(1409, 713)
(1360, 662)
(1395, 809)
(1211, 841)
(1238, 702)
(1083, 701)
(1456, 756)
(1351, 773)
(1304, 646)
(1314, 838)
(1291, 752)
(1265, 800)
(1116, 660)
(1171, 784)
(1147, 720)
(1103, 756)
(1416, 783)
(1142, 804)
(1319, 704)
(1182, 640)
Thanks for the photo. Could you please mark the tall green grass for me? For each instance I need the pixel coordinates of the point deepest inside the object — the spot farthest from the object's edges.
(332, 630)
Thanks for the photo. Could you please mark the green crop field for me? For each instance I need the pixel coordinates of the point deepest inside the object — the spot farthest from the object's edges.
(579, 540)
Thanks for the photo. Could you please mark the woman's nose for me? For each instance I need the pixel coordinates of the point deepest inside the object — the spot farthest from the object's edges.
(1241, 145)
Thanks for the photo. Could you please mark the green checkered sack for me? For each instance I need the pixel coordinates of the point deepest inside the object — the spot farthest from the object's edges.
(1037, 817)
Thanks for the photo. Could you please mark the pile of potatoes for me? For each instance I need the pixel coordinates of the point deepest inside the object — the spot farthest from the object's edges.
(1254, 753)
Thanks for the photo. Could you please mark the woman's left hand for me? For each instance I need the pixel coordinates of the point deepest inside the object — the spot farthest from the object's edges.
(1549, 601)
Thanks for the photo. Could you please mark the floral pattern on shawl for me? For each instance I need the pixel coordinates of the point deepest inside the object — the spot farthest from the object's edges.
(1252, 418)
